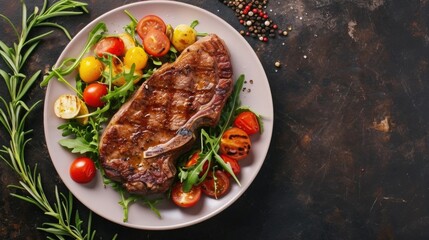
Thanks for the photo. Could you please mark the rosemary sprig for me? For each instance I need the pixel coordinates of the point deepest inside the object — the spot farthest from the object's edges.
(15, 111)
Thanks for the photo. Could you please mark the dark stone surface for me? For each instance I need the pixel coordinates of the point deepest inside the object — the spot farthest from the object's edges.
(332, 171)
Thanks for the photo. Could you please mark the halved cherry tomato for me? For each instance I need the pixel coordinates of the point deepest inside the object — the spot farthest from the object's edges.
(156, 43)
(233, 163)
(148, 23)
(185, 199)
(235, 143)
(248, 122)
(194, 160)
(82, 170)
(215, 186)
(93, 93)
(112, 45)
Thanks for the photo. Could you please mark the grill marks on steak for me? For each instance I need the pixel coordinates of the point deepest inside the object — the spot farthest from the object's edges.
(140, 145)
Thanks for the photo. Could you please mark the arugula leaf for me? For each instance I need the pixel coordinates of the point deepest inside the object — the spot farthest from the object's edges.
(131, 27)
(77, 145)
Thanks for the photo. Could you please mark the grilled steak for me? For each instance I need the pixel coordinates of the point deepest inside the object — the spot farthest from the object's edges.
(140, 145)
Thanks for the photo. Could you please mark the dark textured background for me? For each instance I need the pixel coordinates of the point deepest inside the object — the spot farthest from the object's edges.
(332, 171)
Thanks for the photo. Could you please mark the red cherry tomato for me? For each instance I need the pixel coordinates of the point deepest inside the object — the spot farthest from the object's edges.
(148, 23)
(156, 43)
(216, 186)
(185, 199)
(112, 45)
(248, 122)
(194, 159)
(235, 143)
(82, 170)
(93, 93)
(233, 163)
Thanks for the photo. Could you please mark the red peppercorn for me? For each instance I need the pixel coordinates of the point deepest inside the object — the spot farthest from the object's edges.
(255, 10)
(265, 16)
(265, 39)
(275, 26)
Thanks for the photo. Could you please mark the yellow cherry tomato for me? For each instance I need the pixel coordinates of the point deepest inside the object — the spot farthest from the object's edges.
(183, 36)
(90, 69)
(137, 56)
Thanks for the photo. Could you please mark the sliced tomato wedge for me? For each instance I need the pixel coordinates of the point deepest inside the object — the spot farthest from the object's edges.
(235, 143)
(185, 199)
(216, 184)
(194, 160)
(248, 122)
(156, 43)
(148, 23)
(112, 45)
(235, 166)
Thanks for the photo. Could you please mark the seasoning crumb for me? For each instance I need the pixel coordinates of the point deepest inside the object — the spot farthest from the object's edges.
(277, 64)
(383, 126)
(251, 81)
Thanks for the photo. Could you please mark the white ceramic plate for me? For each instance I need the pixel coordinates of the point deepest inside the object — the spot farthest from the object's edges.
(104, 201)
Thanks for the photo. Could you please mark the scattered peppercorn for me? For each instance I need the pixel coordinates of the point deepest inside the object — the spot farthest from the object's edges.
(251, 14)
